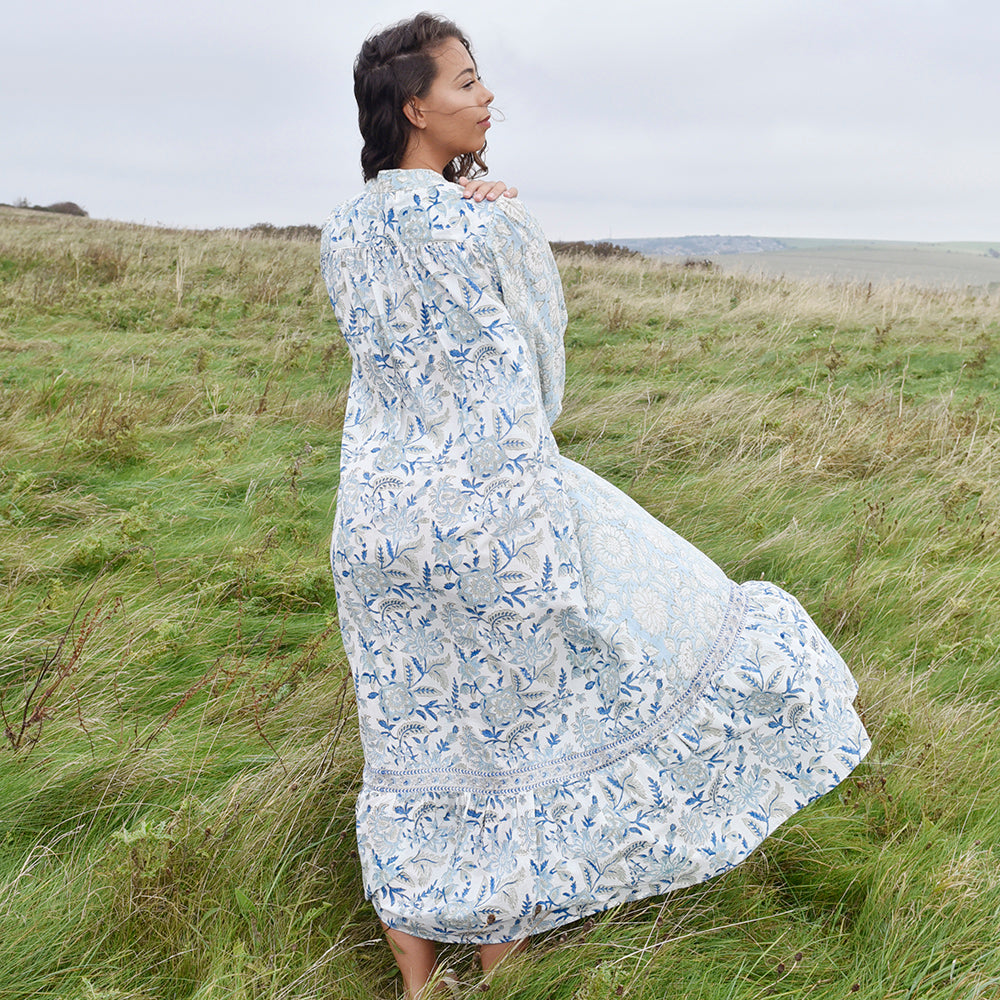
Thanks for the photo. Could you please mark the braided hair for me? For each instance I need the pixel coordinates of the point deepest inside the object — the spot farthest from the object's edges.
(393, 67)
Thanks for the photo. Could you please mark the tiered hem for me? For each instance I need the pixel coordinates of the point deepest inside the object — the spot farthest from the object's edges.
(482, 858)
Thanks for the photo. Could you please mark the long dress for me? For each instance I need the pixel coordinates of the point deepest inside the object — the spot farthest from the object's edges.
(563, 705)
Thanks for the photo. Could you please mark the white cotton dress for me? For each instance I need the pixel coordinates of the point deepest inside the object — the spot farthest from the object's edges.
(563, 704)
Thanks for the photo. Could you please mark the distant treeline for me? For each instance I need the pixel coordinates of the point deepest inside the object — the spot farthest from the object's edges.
(62, 207)
(304, 232)
(613, 250)
(602, 249)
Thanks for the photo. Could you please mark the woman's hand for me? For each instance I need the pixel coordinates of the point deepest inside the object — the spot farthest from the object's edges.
(490, 190)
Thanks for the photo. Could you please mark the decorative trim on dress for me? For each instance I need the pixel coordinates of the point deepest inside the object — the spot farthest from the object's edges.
(572, 766)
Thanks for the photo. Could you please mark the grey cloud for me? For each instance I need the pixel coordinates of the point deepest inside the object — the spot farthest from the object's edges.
(649, 120)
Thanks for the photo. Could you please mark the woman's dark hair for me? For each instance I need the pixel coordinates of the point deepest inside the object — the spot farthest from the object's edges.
(392, 67)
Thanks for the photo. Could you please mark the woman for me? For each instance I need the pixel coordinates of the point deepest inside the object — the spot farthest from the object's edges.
(563, 705)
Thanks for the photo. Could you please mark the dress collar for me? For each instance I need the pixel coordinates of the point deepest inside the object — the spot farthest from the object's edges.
(404, 180)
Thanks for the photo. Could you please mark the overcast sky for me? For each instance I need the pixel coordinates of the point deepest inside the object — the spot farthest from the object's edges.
(836, 118)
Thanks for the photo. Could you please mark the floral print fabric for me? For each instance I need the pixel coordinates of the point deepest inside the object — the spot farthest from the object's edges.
(563, 704)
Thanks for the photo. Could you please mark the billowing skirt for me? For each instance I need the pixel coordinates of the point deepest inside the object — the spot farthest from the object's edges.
(648, 742)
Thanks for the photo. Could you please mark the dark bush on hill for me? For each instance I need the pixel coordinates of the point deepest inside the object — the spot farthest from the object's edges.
(61, 207)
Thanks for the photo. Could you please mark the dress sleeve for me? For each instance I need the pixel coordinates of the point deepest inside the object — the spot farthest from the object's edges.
(532, 294)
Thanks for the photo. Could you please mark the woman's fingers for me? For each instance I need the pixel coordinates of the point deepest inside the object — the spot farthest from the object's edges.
(480, 189)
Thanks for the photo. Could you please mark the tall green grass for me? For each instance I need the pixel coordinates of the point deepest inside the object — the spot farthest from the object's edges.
(180, 757)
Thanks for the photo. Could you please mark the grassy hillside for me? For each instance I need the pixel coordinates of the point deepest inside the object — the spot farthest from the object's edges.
(180, 756)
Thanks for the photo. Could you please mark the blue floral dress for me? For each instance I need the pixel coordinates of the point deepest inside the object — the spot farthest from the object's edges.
(563, 704)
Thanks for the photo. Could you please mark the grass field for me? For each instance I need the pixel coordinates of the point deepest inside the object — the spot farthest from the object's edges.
(180, 758)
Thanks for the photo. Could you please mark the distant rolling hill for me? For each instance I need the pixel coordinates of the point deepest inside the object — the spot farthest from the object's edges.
(703, 246)
(953, 264)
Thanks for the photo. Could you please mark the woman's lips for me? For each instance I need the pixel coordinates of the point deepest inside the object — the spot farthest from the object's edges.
(485, 122)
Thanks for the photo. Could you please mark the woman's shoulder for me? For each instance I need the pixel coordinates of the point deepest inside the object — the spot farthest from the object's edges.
(340, 223)
(513, 211)
(406, 206)
(420, 206)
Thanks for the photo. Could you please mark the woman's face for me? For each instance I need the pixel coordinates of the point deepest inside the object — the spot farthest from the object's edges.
(452, 118)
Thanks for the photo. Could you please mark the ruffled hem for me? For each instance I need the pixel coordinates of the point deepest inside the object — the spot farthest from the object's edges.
(454, 857)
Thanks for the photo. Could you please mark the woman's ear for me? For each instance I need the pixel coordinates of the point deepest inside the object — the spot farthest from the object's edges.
(414, 115)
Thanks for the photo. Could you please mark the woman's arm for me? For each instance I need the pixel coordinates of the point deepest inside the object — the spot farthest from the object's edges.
(533, 295)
